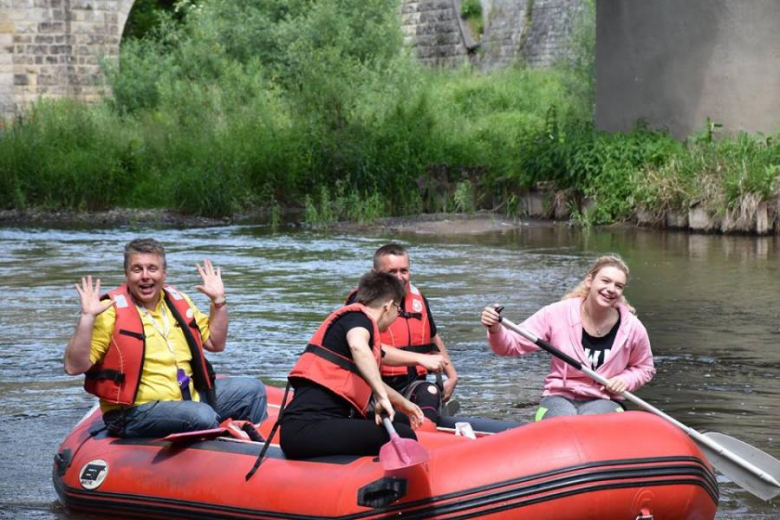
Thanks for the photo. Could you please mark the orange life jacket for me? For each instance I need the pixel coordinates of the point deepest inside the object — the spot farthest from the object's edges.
(410, 332)
(336, 372)
(117, 376)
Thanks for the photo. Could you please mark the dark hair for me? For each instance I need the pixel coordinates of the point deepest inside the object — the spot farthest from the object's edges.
(386, 250)
(144, 246)
(376, 288)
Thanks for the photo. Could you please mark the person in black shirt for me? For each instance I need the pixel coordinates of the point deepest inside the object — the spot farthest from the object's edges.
(337, 377)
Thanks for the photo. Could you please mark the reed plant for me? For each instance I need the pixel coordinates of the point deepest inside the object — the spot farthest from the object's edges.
(59, 155)
(317, 105)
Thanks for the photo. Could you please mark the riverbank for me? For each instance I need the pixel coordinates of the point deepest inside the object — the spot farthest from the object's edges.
(113, 217)
(761, 220)
(480, 222)
(213, 124)
(438, 223)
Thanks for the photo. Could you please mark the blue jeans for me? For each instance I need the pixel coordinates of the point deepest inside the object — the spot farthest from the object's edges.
(240, 398)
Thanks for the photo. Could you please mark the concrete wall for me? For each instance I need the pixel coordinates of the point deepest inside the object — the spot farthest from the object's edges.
(676, 63)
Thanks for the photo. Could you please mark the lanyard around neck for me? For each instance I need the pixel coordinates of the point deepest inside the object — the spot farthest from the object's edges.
(182, 379)
(165, 330)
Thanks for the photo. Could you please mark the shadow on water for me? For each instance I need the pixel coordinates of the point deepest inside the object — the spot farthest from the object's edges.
(708, 302)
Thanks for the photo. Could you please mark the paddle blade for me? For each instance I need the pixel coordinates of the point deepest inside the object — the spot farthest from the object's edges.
(402, 453)
(451, 408)
(763, 488)
(199, 435)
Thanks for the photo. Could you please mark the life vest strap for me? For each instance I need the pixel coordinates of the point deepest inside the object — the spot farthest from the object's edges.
(332, 357)
(271, 435)
(137, 335)
(421, 349)
(112, 375)
(203, 383)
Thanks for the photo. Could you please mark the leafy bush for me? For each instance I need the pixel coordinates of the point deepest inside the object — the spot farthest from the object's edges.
(237, 104)
(471, 11)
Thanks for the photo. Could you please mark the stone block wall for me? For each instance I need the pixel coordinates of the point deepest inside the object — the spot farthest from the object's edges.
(432, 31)
(549, 34)
(53, 48)
(536, 32)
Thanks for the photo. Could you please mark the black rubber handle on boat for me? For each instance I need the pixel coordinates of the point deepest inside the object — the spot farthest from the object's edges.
(544, 345)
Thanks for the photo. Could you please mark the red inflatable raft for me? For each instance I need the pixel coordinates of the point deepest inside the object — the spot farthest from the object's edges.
(629, 466)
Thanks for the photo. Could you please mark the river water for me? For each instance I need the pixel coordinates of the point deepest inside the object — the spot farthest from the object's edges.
(708, 302)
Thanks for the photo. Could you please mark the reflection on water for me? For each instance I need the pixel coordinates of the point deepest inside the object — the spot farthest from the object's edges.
(708, 302)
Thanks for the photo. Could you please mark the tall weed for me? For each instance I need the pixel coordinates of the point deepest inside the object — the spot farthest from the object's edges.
(316, 104)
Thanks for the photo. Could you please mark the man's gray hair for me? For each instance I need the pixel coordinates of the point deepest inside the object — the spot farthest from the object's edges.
(144, 246)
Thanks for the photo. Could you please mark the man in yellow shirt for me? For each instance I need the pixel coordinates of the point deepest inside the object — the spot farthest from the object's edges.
(141, 350)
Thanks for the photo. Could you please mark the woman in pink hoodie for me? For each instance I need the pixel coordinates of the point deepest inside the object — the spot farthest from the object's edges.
(593, 324)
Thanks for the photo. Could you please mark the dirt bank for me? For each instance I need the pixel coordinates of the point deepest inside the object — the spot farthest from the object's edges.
(114, 217)
(438, 224)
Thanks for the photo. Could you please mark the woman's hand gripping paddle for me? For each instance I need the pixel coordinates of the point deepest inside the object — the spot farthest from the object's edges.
(401, 453)
(747, 466)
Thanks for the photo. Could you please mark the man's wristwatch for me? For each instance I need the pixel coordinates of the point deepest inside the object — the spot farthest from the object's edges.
(219, 303)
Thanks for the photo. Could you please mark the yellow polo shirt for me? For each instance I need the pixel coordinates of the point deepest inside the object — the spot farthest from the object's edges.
(158, 379)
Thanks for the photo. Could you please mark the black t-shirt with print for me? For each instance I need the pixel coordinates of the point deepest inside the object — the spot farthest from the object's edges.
(597, 348)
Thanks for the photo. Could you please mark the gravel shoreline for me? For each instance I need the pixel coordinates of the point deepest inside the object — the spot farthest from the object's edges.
(113, 217)
(438, 223)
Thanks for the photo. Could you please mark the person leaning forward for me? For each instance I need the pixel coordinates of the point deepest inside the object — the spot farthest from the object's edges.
(411, 343)
(141, 345)
(337, 377)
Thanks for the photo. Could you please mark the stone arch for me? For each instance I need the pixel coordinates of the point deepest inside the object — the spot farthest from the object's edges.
(125, 7)
(53, 48)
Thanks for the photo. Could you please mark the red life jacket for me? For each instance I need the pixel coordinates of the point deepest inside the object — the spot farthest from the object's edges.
(410, 332)
(337, 373)
(117, 376)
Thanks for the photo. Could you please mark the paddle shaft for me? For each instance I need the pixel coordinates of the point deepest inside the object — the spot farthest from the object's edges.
(389, 427)
(695, 435)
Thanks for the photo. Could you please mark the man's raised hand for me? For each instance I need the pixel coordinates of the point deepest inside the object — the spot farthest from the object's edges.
(91, 304)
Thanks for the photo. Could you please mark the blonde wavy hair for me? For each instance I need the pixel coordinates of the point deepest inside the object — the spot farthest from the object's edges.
(581, 291)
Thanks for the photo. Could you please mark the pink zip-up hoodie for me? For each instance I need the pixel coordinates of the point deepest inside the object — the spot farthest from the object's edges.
(560, 325)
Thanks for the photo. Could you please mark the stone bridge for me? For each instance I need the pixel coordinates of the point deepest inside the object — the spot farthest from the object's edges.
(672, 64)
(54, 48)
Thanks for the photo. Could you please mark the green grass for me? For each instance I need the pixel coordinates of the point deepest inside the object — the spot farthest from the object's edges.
(316, 105)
